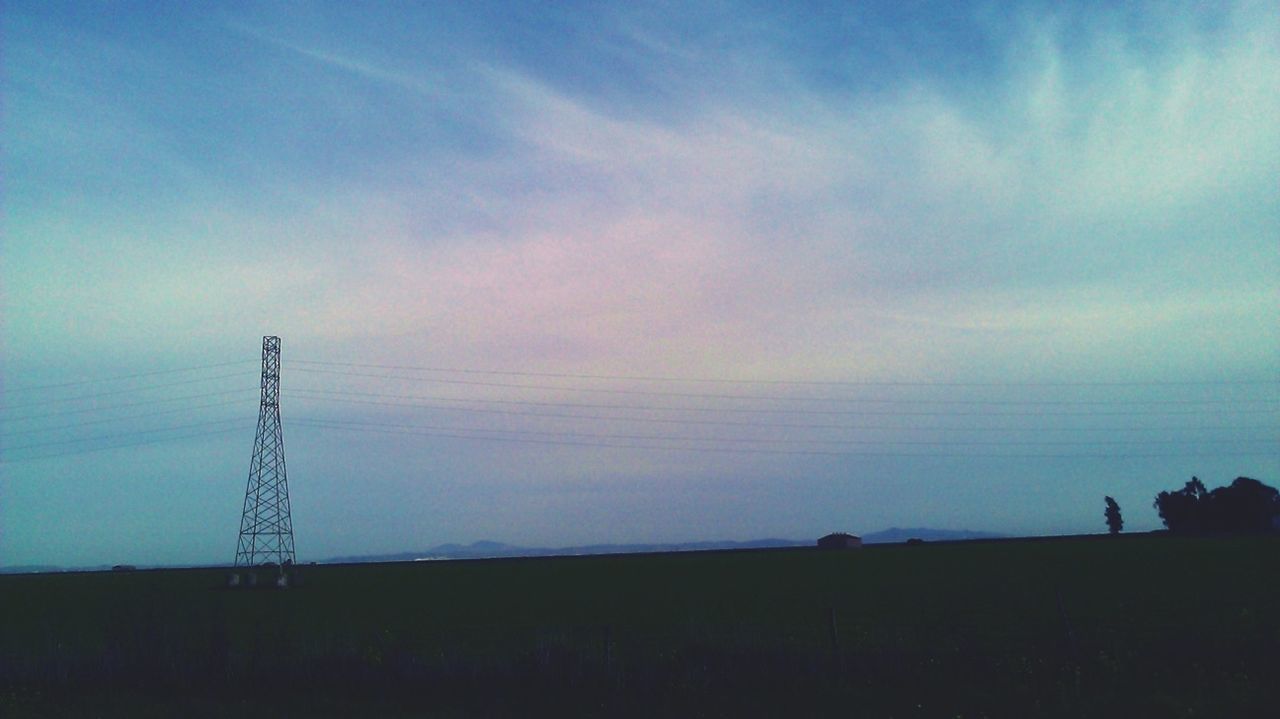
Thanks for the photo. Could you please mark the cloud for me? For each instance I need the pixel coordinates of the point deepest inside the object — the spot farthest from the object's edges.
(778, 226)
(772, 226)
(803, 228)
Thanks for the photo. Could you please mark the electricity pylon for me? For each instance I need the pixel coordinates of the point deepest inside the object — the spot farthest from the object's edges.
(266, 530)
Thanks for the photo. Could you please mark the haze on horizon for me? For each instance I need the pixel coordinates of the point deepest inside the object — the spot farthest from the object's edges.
(607, 273)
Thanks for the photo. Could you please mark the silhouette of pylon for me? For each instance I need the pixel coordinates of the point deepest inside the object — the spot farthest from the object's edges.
(266, 529)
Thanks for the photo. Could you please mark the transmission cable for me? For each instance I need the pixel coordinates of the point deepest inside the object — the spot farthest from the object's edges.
(722, 380)
(130, 390)
(773, 398)
(118, 378)
(757, 450)
(125, 418)
(774, 410)
(124, 434)
(89, 450)
(783, 425)
(865, 442)
(108, 408)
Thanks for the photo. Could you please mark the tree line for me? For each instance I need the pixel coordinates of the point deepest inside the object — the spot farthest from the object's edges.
(1245, 505)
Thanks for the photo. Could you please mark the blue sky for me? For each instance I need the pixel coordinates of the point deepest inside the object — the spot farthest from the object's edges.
(1030, 250)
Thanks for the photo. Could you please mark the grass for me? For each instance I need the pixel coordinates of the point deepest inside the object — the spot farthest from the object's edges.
(1134, 626)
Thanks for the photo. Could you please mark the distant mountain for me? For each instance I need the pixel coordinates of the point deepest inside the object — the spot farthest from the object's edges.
(896, 535)
(30, 569)
(497, 550)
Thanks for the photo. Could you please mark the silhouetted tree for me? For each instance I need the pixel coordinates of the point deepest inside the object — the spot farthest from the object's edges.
(1181, 510)
(1115, 523)
(1246, 505)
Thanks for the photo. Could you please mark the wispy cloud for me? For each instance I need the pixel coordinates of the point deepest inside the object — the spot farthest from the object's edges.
(803, 226)
(364, 69)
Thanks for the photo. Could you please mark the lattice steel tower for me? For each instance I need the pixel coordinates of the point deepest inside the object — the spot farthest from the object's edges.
(266, 530)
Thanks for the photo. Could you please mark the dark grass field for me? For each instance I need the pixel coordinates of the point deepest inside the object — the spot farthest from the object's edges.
(1126, 627)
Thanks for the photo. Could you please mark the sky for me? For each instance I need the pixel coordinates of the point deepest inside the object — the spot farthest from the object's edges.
(570, 273)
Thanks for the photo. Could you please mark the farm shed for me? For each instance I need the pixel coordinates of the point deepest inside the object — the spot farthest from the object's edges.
(840, 540)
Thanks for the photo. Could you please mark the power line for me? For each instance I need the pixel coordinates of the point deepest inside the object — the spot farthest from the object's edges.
(721, 380)
(83, 410)
(753, 440)
(90, 450)
(129, 390)
(774, 410)
(775, 398)
(781, 425)
(144, 415)
(757, 450)
(120, 435)
(118, 378)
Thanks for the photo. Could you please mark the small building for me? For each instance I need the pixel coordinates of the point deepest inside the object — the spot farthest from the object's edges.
(840, 540)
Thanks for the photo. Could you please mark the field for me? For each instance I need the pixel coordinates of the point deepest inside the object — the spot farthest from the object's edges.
(1128, 626)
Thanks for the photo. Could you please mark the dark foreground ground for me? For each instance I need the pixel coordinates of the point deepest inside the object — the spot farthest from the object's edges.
(1125, 627)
